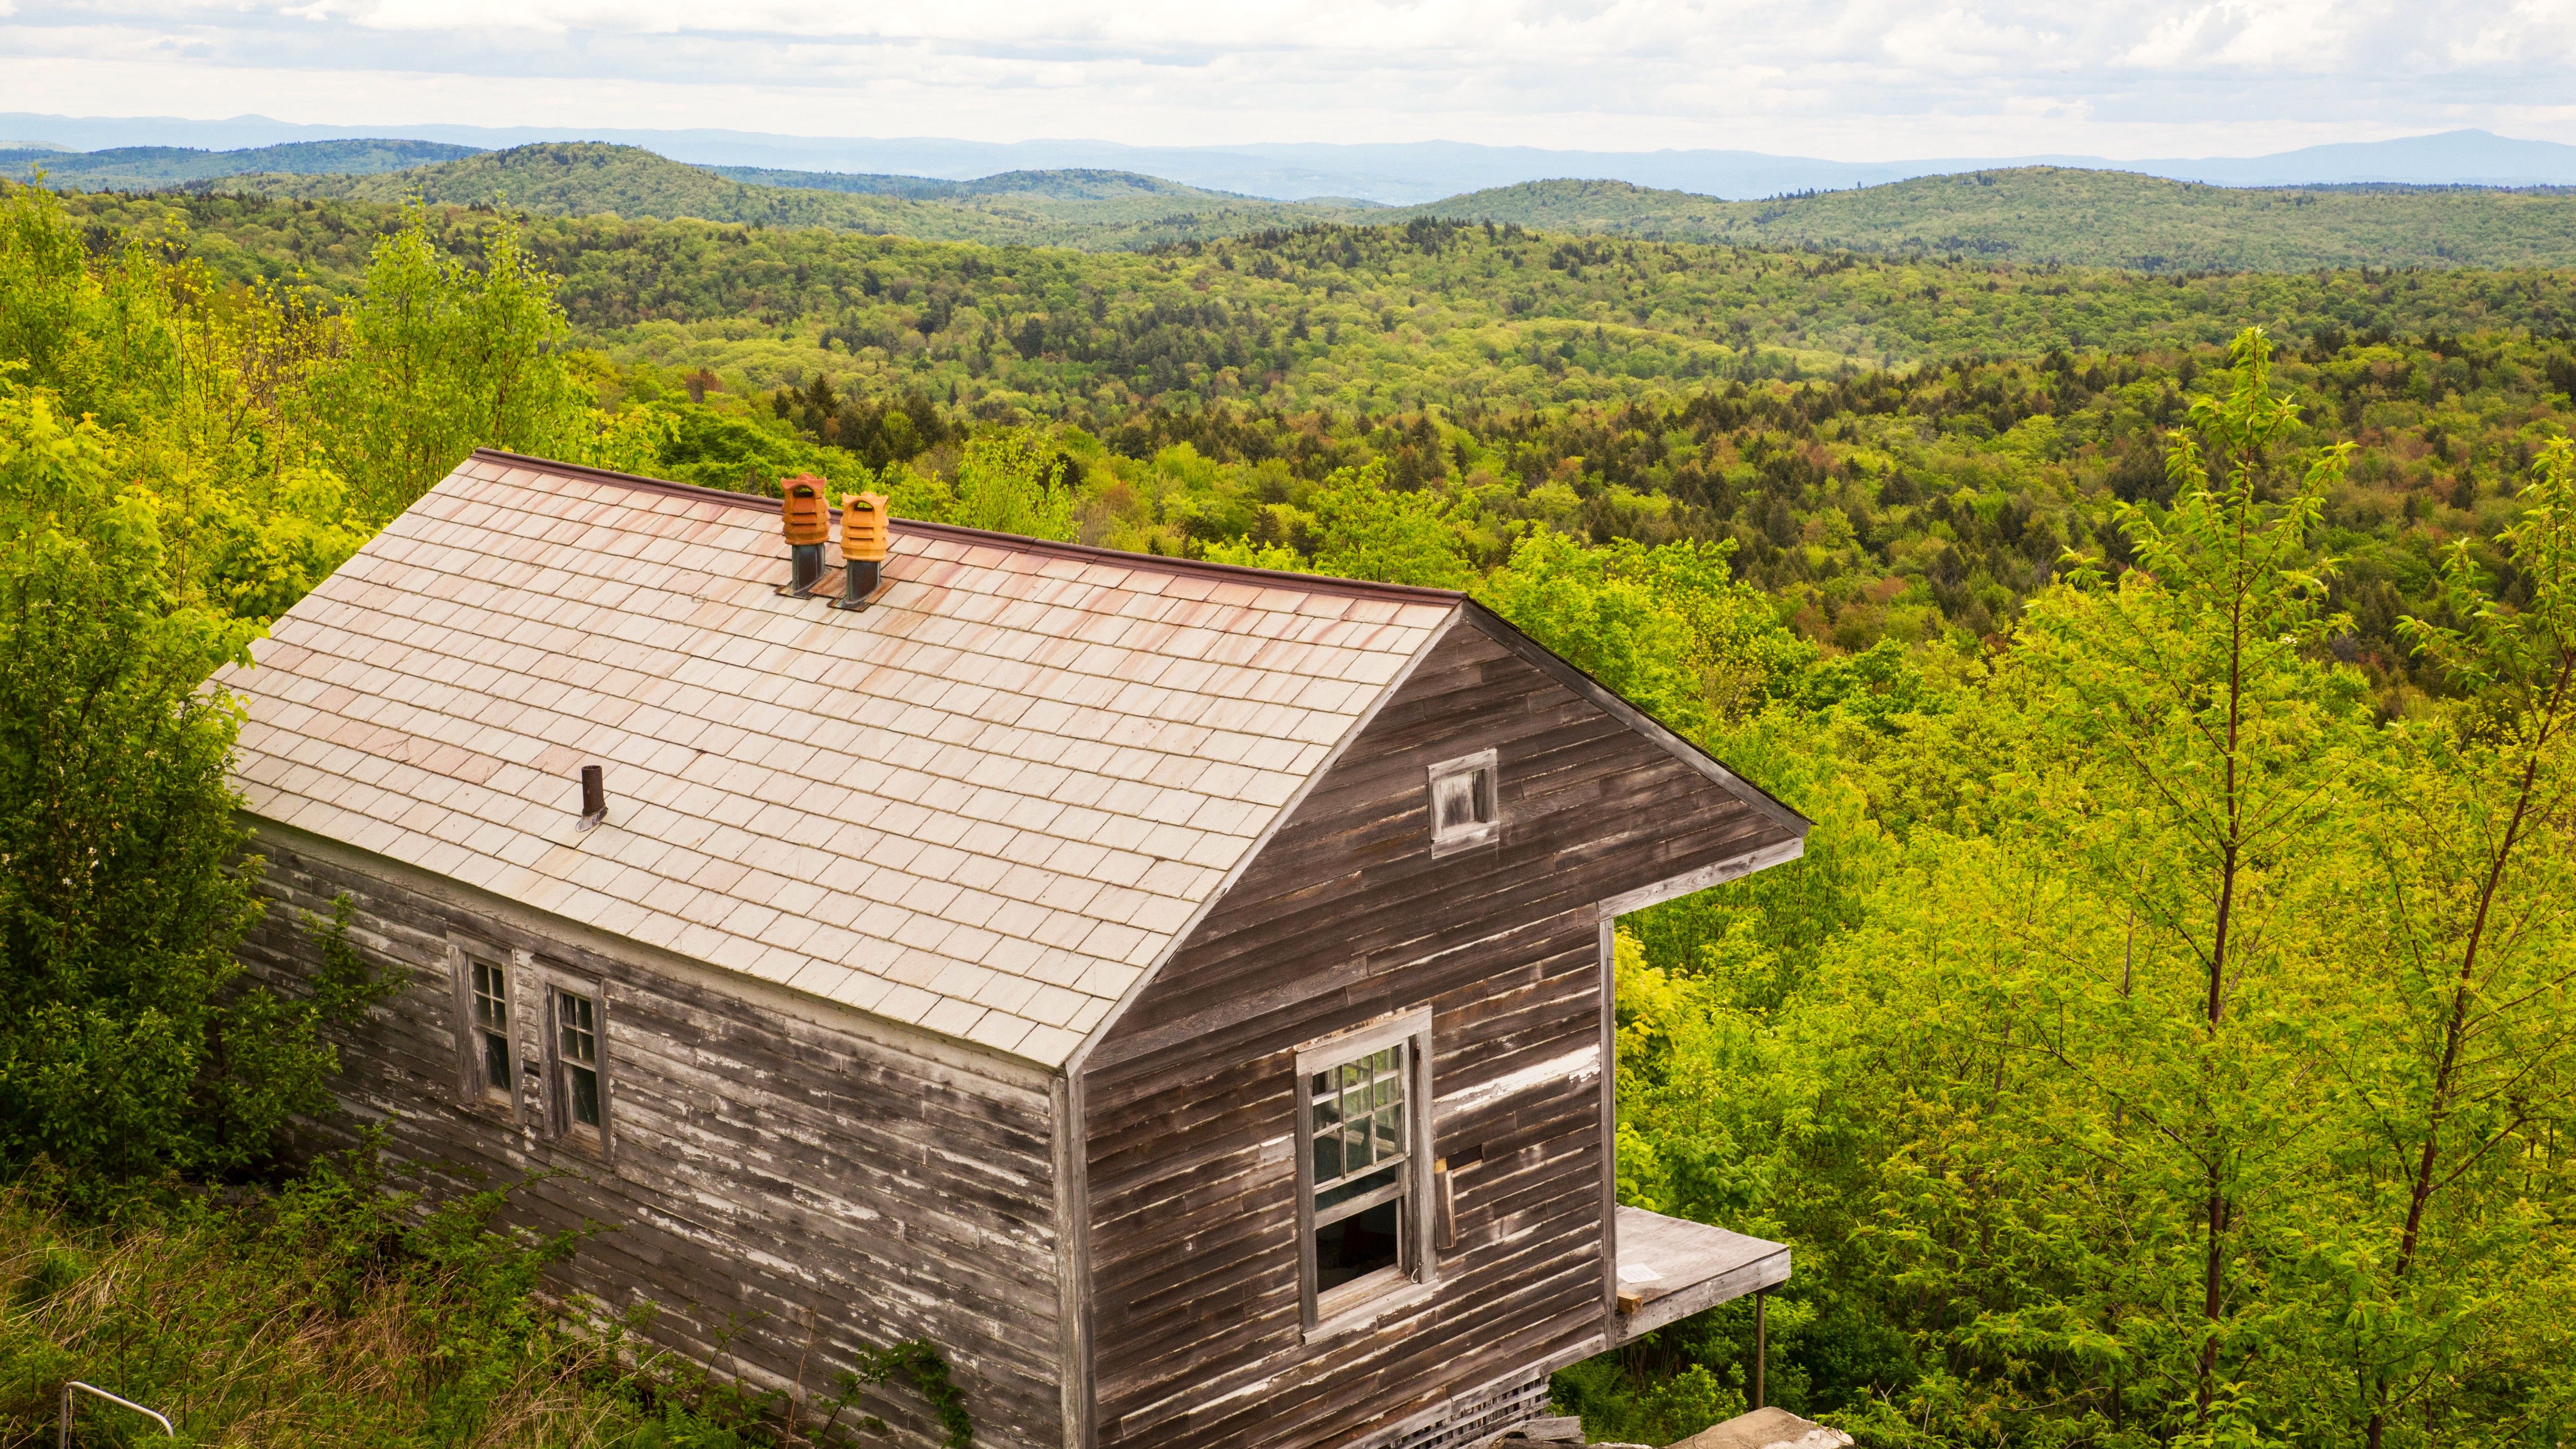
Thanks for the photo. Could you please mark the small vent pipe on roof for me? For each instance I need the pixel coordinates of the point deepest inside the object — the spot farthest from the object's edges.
(594, 796)
(863, 548)
(808, 526)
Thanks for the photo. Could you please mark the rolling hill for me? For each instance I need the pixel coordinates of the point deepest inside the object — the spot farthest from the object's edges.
(147, 168)
(2045, 214)
(2029, 215)
(1065, 185)
(1103, 211)
(1399, 173)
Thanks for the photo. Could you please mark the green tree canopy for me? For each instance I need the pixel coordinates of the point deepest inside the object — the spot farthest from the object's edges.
(130, 1042)
(443, 359)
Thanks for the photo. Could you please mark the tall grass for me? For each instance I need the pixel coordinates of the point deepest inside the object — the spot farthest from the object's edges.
(329, 1313)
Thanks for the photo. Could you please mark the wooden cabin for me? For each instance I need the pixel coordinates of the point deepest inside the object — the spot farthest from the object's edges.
(1178, 993)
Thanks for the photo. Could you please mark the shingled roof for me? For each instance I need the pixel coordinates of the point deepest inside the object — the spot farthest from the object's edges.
(982, 806)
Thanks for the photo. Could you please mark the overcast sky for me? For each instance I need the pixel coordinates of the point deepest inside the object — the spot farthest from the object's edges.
(1862, 80)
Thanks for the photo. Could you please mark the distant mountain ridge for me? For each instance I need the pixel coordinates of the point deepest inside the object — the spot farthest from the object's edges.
(1395, 173)
(1091, 209)
(144, 167)
(2060, 214)
(1073, 184)
(2021, 214)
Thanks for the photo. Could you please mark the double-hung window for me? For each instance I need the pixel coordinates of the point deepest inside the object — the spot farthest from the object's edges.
(581, 1106)
(491, 1034)
(1363, 1180)
(486, 1025)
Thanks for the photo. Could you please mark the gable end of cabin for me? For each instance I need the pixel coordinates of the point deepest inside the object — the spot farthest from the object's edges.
(1346, 1172)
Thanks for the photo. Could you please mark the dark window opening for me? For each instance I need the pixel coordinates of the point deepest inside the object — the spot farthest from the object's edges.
(1364, 1243)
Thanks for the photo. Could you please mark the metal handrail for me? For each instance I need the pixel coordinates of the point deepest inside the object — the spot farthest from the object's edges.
(64, 1441)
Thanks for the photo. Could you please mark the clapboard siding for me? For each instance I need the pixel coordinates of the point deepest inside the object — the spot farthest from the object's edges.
(1342, 918)
(784, 1186)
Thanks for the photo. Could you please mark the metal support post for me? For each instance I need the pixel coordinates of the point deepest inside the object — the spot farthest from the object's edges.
(1761, 1344)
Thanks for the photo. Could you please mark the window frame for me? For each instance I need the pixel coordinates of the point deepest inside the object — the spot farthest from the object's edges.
(1487, 763)
(555, 983)
(1418, 1261)
(474, 1091)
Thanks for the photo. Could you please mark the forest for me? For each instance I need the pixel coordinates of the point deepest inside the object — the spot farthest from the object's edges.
(2163, 1042)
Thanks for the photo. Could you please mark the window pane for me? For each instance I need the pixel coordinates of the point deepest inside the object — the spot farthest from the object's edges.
(585, 1096)
(578, 1041)
(491, 997)
(1358, 1127)
(496, 1062)
(1484, 795)
(1359, 1245)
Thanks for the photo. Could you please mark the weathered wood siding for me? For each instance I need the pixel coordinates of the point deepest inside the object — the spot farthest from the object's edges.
(1345, 916)
(783, 1182)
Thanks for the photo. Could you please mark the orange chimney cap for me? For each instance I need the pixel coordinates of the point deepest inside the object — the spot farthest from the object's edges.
(864, 535)
(804, 516)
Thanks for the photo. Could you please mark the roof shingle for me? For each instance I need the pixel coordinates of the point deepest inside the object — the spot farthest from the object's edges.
(982, 806)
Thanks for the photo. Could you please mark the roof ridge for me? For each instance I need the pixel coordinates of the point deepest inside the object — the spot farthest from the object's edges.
(1087, 553)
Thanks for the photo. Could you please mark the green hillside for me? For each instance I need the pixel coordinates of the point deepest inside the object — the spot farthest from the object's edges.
(862, 183)
(2032, 215)
(1105, 211)
(1066, 185)
(1368, 317)
(130, 168)
(2089, 218)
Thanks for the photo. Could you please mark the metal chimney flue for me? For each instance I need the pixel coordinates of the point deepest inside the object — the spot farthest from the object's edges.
(594, 796)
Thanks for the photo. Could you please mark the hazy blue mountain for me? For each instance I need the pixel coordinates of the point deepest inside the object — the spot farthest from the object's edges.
(1393, 173)
(2452, 158)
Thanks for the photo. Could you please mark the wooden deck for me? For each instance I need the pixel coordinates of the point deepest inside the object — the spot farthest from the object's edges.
(1670, 1269)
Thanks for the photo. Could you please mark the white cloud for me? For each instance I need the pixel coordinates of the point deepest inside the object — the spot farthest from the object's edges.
(1865, 78)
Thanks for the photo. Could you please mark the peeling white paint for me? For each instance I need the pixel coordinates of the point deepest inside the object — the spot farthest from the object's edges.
(1581, 1065)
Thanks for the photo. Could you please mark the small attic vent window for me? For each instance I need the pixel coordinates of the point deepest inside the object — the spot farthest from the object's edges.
(1464, 808)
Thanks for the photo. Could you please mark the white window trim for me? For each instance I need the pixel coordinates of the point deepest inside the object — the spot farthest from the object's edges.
(551, 979)
(1356, 1304)
(1482, 832)
(473, 1091)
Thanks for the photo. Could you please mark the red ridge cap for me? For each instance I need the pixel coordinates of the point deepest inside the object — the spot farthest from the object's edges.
(1088, 553)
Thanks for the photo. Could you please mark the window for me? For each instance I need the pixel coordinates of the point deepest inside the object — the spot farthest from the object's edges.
(1465, 808)
(1359, 1141)
(577, 1058)
(492, 1027)
(1363, 1201)
(483, 978)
